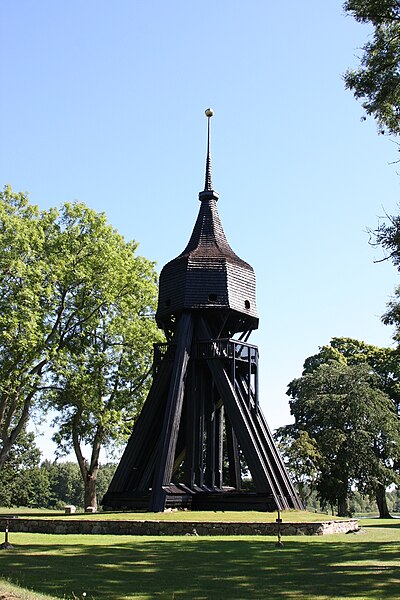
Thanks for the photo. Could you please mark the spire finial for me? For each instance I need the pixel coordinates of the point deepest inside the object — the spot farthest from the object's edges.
(208, 191)
(208, 186)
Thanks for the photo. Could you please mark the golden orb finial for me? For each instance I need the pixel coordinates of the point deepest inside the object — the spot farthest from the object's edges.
(209, 112)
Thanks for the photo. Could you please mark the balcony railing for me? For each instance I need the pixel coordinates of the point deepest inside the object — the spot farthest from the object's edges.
(211, 349)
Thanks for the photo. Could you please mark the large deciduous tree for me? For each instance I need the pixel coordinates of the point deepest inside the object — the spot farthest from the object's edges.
(27, 338)
(385, 362)
(377, 81)
(99, 381)
(342, 410)
(76, 323)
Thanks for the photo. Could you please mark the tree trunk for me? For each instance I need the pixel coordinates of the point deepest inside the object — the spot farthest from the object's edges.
(90, 496)
(380, 496)
(88, 470)
(8, 436)
(343, 510)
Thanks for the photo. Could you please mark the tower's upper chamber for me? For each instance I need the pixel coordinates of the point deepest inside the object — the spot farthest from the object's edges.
(208, 276)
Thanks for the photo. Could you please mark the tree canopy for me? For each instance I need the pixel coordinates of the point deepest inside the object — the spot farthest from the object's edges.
(100, 380)
(346, 427)
(76, 325)
(26, 315)
(377, 81)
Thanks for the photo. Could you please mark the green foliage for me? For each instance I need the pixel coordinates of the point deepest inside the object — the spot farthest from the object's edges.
(23, 328)
(105, 474)
(51, 485)
(76, 325)
(359, 504)
(100, 377)
(387, 235)
(383, 361)
(374, 11)
(302, 457)
(346, 430)
(21, 481)
(65, 484)
(377, 81)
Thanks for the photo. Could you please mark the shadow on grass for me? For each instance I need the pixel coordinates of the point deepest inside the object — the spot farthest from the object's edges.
(206, 568)
(387, 523)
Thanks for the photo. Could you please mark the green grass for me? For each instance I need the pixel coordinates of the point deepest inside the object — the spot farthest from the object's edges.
(194, 568)
(180, 515)
(11, 591)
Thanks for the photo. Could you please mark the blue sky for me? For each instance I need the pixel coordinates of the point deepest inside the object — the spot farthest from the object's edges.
(104, 102)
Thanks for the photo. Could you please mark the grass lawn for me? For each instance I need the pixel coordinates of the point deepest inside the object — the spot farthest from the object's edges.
(9, 591)
(208, 568)
(180, 515)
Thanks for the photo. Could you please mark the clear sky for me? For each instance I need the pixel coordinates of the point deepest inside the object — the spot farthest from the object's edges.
(104, 102)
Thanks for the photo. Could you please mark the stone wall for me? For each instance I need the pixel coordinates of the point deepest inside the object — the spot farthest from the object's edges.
(74, 526)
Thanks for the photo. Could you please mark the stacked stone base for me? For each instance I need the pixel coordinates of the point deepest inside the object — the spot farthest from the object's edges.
(129, 527)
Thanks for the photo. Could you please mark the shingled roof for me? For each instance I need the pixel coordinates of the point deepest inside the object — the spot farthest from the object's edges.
(208, 275)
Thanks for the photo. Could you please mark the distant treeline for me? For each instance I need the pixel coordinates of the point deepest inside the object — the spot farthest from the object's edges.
(358, 504)
(49, 485)
(55, 484)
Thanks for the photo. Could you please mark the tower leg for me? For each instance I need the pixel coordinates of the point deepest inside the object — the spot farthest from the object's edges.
(235, 478)
(138, 458)
(172, 417)
(191, 429)
(250, 437)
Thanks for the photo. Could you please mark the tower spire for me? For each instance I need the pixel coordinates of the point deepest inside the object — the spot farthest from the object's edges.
(208, 191)
(208, 186)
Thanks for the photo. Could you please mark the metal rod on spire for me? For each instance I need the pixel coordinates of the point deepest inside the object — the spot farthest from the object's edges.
(208, 186)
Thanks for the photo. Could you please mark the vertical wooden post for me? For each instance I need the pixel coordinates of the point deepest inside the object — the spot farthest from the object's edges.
(235, 479)
(210, 435)
(199, 464)
(219, 455)
(191, 428)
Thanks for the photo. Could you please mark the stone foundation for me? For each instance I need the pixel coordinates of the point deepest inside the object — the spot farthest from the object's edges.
(76, 526)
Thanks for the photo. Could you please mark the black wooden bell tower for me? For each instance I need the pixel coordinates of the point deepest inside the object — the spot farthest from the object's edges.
(202, 418)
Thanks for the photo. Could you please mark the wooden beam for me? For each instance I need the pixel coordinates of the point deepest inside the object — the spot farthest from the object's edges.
(219, 446)
(170, 428)
(210, 434)
(191, 426)
(235, 478)
(242, 423)
(144, 434)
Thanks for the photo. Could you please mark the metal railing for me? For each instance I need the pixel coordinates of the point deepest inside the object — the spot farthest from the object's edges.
(210, 349)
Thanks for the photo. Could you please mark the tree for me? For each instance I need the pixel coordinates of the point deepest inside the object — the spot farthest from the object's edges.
(302, 457)
(105, 475)
(352, 423)
(22, 483)
(383, 361)
(99, 379)
(386, 366)
(377, 81)
(73, 295)
(26, 332)
(66, 485)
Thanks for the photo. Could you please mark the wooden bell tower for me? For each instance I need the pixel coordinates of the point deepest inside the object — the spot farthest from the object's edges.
(202, 418)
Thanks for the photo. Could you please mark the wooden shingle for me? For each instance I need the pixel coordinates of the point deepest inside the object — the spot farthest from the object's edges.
(208, 274)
